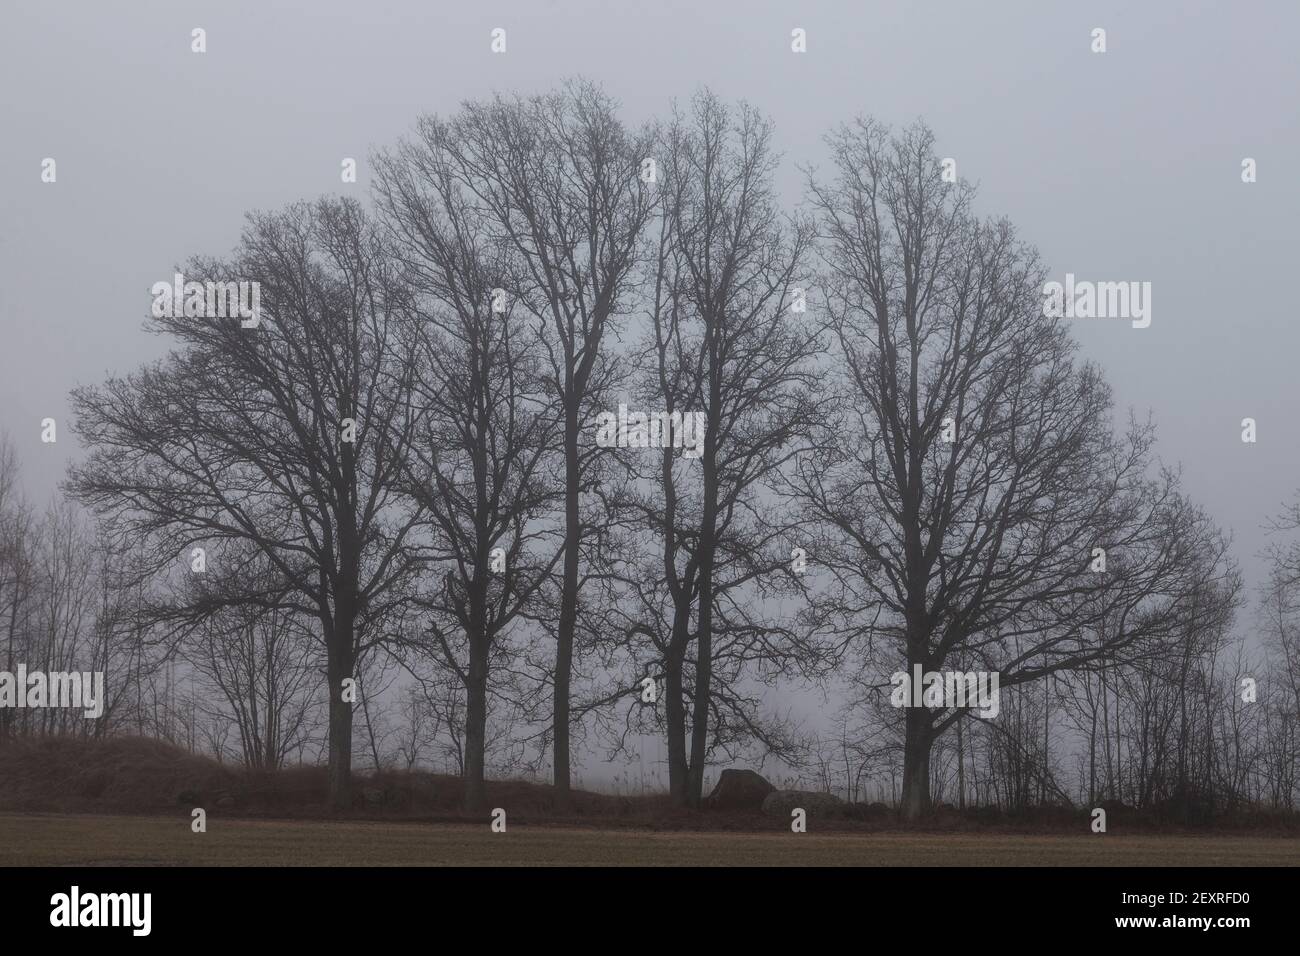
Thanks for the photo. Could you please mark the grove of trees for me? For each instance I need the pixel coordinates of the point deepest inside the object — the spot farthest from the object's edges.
(378, 528)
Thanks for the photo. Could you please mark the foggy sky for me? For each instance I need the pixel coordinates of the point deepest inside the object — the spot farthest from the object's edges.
(1118, 166)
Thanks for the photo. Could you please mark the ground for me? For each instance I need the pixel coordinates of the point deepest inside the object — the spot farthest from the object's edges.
(69, 801)
(88, 840)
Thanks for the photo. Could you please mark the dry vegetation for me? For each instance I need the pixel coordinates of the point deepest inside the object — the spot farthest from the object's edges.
(82, 840)
(128, 801)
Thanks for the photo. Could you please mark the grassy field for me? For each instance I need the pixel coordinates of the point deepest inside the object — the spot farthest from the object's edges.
(84, 840)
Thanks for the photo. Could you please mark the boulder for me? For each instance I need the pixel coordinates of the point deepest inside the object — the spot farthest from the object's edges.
(739, 790)
(779, 803)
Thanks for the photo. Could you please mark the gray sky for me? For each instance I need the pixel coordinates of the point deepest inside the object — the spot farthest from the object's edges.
(1118, 166)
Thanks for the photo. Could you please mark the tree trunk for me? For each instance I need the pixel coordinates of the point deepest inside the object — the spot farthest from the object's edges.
(961, 768)
(700, 703)
(568, 615)
(675, 719)
(476, 728)
(704, 618)
(1092, 759)
(916, 764)
(339, 667)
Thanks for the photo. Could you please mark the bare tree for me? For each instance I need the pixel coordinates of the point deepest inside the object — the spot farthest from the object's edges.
(255, 668)
(287, 437)
(973, 468)
(420, 727)
(728, 343)
(17, 573)
(486, 431)
(556, 178)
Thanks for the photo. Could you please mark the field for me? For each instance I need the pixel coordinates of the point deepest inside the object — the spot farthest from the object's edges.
(90, 840)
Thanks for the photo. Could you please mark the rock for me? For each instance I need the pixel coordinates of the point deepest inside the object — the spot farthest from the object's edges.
(739, 790)
(779, 803)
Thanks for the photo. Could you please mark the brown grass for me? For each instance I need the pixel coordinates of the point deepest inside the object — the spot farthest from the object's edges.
(139, 775)
(117, 774)
(134, 776)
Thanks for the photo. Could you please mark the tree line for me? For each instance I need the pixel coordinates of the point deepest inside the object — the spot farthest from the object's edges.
(394, 480)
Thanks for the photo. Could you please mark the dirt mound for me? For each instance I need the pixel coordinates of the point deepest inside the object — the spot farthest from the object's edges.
(138, 775)
(130, 774)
